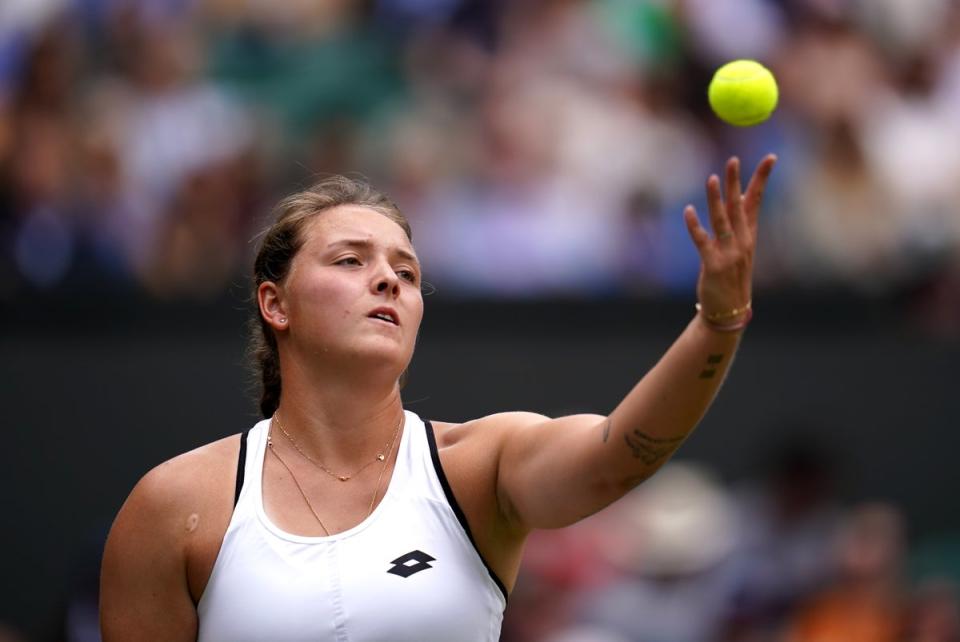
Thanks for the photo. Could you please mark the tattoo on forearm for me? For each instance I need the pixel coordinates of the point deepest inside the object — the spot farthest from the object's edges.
(713, 359)
(606, 430)
(651, 450)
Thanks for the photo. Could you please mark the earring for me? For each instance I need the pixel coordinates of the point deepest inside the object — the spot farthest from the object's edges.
(283, 319)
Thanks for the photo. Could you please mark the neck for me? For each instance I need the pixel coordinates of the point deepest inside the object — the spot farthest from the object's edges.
(344, 420)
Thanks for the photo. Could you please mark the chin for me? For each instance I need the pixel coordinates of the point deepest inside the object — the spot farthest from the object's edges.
(382, 357)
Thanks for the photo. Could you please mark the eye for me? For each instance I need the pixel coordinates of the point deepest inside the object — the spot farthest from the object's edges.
(407, 275)
(348, 260)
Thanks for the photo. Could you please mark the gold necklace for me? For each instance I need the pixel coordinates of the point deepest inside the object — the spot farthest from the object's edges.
(376, 489)
(380, 456)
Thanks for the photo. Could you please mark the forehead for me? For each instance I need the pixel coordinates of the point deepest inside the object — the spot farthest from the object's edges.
(354, 222)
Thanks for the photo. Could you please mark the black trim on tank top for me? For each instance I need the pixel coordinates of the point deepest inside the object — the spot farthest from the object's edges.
(241, 466)
(435, 456)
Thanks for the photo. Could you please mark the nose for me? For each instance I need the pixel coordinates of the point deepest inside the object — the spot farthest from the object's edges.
(386, 280)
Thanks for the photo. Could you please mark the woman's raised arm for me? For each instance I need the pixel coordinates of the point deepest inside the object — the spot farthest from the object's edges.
(553, 472)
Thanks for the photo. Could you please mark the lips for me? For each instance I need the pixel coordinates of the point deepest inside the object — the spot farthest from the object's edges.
(388, 315)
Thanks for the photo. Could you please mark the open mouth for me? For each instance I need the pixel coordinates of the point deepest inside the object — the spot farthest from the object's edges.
(385, 315)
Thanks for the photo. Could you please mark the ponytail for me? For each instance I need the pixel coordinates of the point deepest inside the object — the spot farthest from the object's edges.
(266, 363)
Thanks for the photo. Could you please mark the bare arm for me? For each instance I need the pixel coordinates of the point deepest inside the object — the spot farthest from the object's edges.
(554, 472)
(143, 584)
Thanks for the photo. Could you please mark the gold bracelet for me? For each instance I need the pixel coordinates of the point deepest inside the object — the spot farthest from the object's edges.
(723, 316)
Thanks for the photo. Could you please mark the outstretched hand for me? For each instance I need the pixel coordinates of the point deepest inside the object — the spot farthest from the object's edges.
(726, 258)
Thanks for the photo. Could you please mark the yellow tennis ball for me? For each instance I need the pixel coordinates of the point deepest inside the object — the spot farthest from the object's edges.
(743, 93)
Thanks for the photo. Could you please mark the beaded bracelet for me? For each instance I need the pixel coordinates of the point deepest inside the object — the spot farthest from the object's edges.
(711, 320)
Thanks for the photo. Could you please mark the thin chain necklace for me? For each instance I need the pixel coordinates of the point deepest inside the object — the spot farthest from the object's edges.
(381, 456)
(376, 489)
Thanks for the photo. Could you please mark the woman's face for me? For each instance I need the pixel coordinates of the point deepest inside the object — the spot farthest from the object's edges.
(353, 290)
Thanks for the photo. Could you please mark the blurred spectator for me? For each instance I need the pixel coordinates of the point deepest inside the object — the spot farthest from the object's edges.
(673, 538)
(789, 524)
(37, 167)
(867, 601)
(176, 138)
(841, 224)
(935, 613)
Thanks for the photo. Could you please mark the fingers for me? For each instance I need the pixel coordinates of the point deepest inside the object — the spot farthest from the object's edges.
(734, 210)
(758, 183)
(700, 237)
(717, 210)
(733, 217)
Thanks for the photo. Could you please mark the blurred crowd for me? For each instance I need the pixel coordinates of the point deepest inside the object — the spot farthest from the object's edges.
(685, 558)
(540, 147)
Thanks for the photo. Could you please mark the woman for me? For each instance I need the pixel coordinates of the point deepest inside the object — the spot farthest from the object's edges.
(341, 516)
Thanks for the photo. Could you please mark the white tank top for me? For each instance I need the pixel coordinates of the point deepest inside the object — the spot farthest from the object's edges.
(409, 572)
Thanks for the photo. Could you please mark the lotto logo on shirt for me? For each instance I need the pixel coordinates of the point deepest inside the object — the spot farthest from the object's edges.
(411, 563)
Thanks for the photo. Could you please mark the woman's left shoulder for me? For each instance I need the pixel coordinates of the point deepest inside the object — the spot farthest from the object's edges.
(490, 428)
(470, 455)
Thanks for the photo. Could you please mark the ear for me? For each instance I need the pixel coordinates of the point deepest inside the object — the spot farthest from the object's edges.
(272, 308)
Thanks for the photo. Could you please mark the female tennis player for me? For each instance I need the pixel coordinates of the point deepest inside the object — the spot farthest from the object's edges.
(343, 517)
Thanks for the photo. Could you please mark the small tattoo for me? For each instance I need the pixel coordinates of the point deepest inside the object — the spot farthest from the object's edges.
(651, 450)
(708, 373)
(606, 430)
(714, 359)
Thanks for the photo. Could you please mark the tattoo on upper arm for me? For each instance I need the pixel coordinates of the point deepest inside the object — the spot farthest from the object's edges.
(606, 430)
(651, 450)
(713, 359)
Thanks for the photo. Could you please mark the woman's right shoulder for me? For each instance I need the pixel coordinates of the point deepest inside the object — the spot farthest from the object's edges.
(204, 474)
(183, 505)
(167, 531)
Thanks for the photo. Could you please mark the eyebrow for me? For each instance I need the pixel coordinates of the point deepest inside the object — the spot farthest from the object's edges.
(366, 245)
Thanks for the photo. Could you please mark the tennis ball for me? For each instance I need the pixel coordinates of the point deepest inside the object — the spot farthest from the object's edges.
(743, 93)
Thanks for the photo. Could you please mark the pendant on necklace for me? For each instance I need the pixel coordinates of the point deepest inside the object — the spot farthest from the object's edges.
(343, 477)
